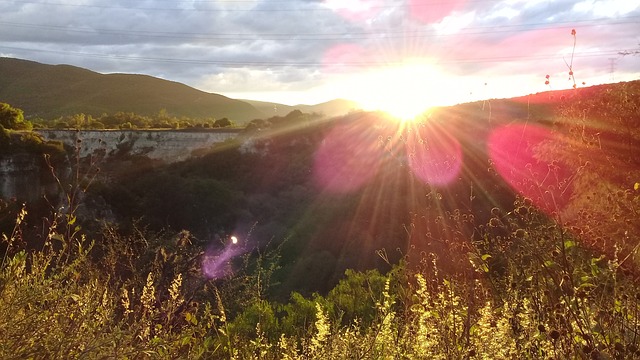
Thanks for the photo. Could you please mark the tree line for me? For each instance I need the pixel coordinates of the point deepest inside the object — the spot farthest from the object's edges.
(13, 118)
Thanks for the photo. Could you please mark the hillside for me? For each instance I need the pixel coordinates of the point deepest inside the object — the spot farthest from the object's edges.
(330, 108)
(50, 91)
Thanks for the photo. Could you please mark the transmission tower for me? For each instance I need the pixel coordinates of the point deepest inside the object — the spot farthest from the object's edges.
(612, 69)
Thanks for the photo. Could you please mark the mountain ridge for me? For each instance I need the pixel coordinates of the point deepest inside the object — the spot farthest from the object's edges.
(329, 108)
(52, 91)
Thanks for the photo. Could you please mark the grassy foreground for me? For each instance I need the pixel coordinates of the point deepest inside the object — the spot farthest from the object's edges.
(532, 294)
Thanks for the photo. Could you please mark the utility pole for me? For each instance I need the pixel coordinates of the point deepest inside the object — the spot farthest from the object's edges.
(612, 69)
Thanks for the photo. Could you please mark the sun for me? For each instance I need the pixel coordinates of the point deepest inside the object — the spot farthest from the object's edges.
(404, 91)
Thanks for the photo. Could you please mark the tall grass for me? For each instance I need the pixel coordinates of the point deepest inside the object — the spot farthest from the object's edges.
(534, 294)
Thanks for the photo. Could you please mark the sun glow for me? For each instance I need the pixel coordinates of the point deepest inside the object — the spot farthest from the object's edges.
(403, 91)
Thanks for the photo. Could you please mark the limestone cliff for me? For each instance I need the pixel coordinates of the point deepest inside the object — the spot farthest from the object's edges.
(165, 145)
(20, 176)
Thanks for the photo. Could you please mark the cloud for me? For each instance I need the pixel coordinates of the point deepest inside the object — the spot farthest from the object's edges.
(302, 45)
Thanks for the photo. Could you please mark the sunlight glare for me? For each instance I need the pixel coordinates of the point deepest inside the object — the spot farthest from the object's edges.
(347, 159)
(512, 150)
(403, 91)
(435, 155)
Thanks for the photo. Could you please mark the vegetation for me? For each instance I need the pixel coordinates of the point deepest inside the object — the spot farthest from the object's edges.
(94, 94)
(12, 118)
(245, 253)
(15, 136)
(128, 121)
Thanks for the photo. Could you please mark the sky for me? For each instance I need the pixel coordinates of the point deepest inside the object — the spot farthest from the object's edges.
(381, 53)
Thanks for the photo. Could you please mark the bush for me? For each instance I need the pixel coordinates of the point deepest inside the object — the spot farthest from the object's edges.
(12, 118)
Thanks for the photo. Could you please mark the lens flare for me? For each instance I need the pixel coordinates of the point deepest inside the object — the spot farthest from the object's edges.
(431, 12)
(216, 263)
(347, 158)
(342, 58)
(435, 156)
(512, 150)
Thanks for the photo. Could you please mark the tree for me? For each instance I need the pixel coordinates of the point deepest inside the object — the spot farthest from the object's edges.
(220, 123)
(12, 118)
(78, 121)
(96, 125)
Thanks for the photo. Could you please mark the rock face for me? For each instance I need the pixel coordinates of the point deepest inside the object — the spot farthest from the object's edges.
(166, 145)
(20, 176)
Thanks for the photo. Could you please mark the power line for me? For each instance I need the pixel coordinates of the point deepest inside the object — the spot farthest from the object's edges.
(316, 9)
(235, 63)
(479, 30)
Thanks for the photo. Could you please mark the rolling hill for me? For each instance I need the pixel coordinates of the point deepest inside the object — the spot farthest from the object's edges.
(330, 108)
(51, 91)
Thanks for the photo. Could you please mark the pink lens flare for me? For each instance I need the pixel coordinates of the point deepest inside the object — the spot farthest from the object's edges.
(216, 263)
(512, 148)
(435, 156)
(343, 58)
(428, 11)
(347, 158)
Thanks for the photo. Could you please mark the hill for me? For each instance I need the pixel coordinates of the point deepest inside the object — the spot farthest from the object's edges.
(330, 108)
(50, 91)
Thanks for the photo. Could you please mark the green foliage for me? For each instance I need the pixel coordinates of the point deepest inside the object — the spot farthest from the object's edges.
(204, 204)
(355, 296)
(220, 123)
(68, 90)
(12, 118)
(12, 141)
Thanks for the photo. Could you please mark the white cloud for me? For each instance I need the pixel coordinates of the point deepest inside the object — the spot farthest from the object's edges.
(454, 23)
(606, 8)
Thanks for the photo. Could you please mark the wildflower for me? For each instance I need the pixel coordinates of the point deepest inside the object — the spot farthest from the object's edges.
(126, 303)
(322, 327)
(148, 293)
(573, 32)
(174, 290)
